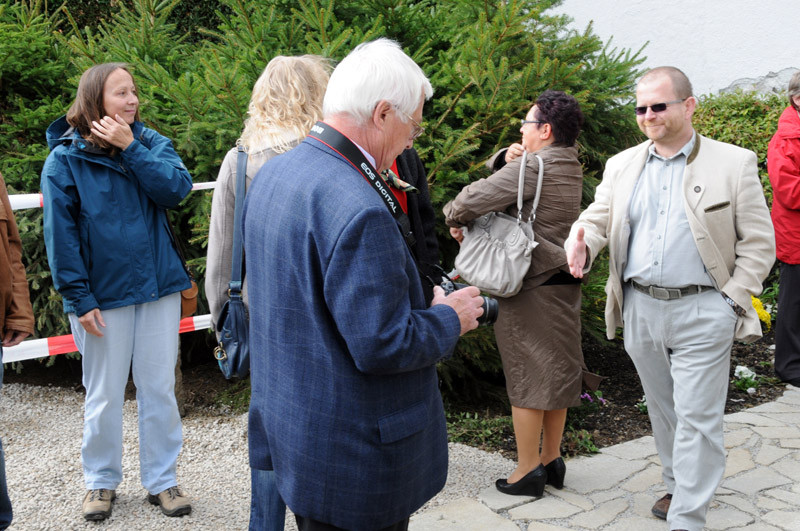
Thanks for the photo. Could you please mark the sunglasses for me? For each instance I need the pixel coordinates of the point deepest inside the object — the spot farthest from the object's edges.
(656, 107)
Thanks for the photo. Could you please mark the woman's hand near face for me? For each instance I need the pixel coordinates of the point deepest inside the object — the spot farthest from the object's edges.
(514, 150)
(115, 131)
(457, 233)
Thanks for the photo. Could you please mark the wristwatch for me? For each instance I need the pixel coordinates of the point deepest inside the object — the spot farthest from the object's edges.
(738, 310)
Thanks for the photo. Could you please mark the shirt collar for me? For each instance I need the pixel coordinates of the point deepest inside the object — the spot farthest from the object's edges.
(370, 158)
(686, 150)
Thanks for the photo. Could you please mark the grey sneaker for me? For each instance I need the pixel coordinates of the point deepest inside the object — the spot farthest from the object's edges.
(97, 504)
(173, 502)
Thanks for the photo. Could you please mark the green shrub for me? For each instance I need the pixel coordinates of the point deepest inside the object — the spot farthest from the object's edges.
(745, 119)
(480, 430)
(486, 62)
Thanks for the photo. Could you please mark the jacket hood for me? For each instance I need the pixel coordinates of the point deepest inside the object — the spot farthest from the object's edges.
(789, 124)
(61, 133)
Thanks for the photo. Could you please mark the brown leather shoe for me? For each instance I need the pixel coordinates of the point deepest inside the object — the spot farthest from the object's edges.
(661, 508)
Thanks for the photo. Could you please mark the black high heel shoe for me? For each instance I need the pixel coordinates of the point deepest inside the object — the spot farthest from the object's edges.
(556, 470)
(532, 484)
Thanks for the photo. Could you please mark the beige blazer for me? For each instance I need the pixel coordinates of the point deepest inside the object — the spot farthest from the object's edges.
(727, 214)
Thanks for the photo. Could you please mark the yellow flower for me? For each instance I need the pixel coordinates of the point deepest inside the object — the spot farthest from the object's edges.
(763, 315)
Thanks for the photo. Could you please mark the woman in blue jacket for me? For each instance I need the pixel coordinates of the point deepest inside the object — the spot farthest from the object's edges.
(107, 184)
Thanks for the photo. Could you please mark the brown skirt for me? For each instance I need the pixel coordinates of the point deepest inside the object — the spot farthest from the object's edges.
(539, 337)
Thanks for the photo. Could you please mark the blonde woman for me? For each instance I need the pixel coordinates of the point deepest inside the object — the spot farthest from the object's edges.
(286, 102)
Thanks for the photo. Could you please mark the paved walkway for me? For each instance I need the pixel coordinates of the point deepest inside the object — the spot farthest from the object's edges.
(615, 489)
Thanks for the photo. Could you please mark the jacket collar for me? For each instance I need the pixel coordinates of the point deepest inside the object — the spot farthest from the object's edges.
(61, 133)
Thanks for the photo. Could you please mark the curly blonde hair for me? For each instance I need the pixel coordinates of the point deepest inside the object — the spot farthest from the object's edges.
(286, 102)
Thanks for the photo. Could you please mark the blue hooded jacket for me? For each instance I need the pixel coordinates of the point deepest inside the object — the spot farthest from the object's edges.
(105, 223)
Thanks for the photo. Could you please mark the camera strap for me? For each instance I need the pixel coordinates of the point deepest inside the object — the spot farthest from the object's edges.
(342, 145)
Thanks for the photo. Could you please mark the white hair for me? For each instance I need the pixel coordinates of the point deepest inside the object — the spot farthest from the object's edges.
(375, 71)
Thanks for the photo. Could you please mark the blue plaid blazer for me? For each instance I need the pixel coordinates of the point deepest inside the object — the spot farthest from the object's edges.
(345, 402)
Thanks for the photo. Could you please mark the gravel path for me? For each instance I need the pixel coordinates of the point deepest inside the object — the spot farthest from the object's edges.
(41, 429)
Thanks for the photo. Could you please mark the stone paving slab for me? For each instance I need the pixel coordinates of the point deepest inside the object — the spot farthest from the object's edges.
(601, 470)
(738, 460)
(464, 514)
(769, 453)
(497, 501)
(753, 419)
(774, 407)
(743, 503)
(615, 489)
(641, 481)
(758, 526)
(603, 514)
(546, 508)
(584, 502)
(783, 519)
(755, 481)
(635, 449)
(778, 432)
(727, 517)
(738, 437)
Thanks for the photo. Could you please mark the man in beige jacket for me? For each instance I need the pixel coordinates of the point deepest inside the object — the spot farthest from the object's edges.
(690, 240)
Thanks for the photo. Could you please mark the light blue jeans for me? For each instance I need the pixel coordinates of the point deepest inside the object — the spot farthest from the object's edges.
(143, 337)
(267, 510)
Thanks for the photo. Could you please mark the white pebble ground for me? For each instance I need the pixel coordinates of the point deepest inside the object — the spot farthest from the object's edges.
(41, 429)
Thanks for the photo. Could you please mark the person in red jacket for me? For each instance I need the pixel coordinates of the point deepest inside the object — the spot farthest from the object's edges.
(783, 163)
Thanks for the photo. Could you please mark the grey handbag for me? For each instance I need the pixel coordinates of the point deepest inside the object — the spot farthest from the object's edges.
(496, 251)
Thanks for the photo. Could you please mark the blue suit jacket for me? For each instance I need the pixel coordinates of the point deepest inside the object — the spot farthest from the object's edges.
(345, 402)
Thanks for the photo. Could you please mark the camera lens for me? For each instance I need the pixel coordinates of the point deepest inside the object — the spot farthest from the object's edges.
(490, 307)
(490, 311)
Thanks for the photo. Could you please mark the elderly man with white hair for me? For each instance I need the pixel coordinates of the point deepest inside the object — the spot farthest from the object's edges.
(345, 402)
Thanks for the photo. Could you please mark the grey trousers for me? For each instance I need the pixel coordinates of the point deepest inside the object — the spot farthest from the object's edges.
(681, 350)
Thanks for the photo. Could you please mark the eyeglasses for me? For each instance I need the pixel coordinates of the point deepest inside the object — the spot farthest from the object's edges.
(418, 129)
(656, 107)
(523, 123)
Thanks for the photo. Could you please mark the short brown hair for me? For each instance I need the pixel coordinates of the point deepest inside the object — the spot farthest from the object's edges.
(680, 83)
(88, 104)
(794, 89)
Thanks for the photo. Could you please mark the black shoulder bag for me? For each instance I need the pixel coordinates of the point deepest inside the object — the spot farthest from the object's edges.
(233, 352)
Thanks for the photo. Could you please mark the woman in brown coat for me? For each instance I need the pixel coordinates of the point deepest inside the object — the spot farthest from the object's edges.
(538, 330)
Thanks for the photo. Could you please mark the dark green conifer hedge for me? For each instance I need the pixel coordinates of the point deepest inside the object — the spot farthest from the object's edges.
(196, 62)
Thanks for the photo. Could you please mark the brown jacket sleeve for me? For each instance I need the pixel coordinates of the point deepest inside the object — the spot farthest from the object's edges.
(17, 313)
(559, 204)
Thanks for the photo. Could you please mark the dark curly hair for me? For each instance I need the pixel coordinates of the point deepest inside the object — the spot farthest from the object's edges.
(563, 113)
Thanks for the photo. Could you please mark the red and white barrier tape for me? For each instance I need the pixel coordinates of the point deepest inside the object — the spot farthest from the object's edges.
(41, 348)
(22, 201)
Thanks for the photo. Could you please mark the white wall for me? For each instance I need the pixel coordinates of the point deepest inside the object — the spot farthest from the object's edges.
(715, 42)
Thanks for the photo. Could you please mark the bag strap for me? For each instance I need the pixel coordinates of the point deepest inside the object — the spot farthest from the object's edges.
(521, 186)
(342, 145)
(178, 246)
(235, 285)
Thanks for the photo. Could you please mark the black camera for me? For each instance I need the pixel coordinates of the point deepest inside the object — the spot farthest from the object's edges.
(490, 308)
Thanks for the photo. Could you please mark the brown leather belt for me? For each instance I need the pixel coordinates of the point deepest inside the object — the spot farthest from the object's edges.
(666, 294)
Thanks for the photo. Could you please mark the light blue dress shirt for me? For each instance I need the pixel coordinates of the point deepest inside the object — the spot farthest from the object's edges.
(661, 249)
